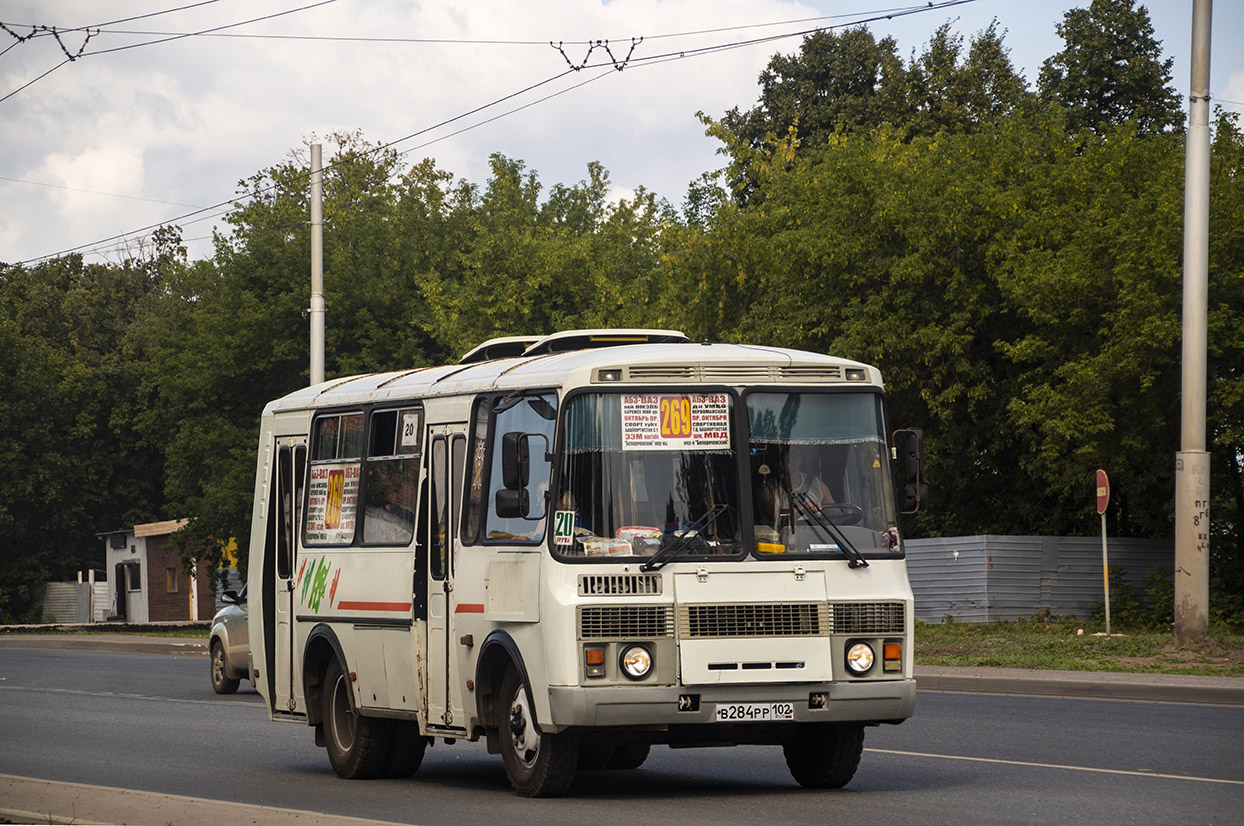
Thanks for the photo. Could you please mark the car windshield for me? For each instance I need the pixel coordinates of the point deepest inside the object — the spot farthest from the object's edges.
(642, 473)
(820, 475)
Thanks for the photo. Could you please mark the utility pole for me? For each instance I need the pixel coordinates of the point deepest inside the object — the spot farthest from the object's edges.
(317, 267)
(1192, 461)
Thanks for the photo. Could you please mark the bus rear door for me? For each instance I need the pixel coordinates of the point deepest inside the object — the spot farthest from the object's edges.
(281, 549)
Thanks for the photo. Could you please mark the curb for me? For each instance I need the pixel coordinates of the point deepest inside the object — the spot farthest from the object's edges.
(1092, 685)
(111, 643)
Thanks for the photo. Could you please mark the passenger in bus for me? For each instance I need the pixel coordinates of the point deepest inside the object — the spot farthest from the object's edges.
(389, 516)
(804, 483)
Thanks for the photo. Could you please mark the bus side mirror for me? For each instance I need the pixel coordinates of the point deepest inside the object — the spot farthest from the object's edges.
(915, 492)
(515, 460)
(513, 501)
(512, 504)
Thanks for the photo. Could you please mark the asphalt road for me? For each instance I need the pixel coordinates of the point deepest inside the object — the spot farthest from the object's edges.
(151, 723)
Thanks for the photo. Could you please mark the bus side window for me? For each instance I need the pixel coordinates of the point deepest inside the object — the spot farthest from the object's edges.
(336, 463)
(473, 513)
(438, 510)
(281, 515)
(391, 476)
(525, 423)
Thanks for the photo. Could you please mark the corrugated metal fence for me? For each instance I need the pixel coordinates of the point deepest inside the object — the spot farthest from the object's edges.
(993, 578)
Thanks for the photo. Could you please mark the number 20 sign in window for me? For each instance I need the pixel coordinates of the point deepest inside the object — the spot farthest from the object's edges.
(698, 421)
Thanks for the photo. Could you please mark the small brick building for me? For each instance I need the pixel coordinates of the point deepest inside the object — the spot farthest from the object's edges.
(148, 583)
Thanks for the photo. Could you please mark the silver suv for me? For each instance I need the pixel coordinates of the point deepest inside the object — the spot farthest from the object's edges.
(229, 646)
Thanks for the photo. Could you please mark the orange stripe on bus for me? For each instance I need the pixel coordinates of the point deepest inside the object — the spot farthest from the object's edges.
(469, 608)
(373, 606)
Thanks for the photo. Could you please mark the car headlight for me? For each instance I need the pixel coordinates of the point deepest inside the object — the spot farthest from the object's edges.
(636, 661)
(860, 658)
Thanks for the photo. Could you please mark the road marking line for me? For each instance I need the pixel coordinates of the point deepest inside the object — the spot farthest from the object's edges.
(84, 693)
(1058, 766)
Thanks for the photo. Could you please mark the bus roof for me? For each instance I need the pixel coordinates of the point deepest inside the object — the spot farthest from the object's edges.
(677, 365)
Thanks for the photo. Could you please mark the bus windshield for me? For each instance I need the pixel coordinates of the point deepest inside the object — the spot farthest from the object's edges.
(820, 474)
(643, 472)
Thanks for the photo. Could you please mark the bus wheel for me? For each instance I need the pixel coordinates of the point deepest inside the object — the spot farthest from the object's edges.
(538, 765)
(357, 746)
(824, 755)
(406, 748)
(628, 756)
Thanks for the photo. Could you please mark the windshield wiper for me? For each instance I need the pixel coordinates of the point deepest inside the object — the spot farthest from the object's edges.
(803, 503)
(667, 554)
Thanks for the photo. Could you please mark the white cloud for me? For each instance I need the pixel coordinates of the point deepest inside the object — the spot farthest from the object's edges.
(112, 168)
(1232, 94)
(184, 121)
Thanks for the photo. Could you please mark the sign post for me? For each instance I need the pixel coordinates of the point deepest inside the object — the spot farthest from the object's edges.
(1103, 500)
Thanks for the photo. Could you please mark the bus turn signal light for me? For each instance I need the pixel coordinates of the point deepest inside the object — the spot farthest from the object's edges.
(594, 661)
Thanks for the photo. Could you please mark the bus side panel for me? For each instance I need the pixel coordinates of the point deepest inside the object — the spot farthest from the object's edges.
(365, 596)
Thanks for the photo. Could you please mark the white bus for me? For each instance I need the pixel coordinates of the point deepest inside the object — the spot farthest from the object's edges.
(580, 546)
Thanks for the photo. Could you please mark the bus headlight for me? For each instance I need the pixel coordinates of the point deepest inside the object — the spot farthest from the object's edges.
(636, 661)
(860, 658)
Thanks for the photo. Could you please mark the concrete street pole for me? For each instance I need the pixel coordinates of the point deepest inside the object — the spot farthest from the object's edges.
(317, 267)
(1192, 461)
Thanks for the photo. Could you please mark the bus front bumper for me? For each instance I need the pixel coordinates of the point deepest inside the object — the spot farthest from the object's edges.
(871, 701)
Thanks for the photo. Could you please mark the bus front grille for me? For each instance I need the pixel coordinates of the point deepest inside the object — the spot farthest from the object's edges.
(867, 617)
(800, 619)
(619, 585)
(605, 622)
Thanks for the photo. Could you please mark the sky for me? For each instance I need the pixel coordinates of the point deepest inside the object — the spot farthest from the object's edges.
(146, 127)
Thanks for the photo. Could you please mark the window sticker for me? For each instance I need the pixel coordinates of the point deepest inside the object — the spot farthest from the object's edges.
(563, 528)
(699, 421)
(408, 439)
(332, 502)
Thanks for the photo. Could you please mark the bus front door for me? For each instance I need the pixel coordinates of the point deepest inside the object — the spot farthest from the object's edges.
(446, 460)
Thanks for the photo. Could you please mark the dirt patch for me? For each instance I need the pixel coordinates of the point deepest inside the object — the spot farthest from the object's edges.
(1207, 657)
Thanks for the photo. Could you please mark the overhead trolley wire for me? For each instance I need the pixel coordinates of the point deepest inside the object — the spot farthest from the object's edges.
(165, 40)
(221, 208)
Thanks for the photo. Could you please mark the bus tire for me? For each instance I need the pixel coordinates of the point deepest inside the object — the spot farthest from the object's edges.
(358, 746)
(537, 764)
(824, 755)
(406, 748)
(628, 756)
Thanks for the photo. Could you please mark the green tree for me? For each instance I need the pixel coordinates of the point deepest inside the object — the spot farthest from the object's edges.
(1093, 274)
(69, 421)
(1225, 402)
(848, 82)
(230, 334)
(529, 267)
(1111, 70)
(953, 95)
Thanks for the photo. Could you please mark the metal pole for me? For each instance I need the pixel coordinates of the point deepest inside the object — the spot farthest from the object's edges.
(1192, 461)
(317, 267)
(1105, 570)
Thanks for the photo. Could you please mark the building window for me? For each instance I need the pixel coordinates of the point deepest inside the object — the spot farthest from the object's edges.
(170, 579)
(132, 580)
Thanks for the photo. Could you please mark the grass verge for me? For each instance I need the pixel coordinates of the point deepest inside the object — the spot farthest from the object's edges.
(1071, 646)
